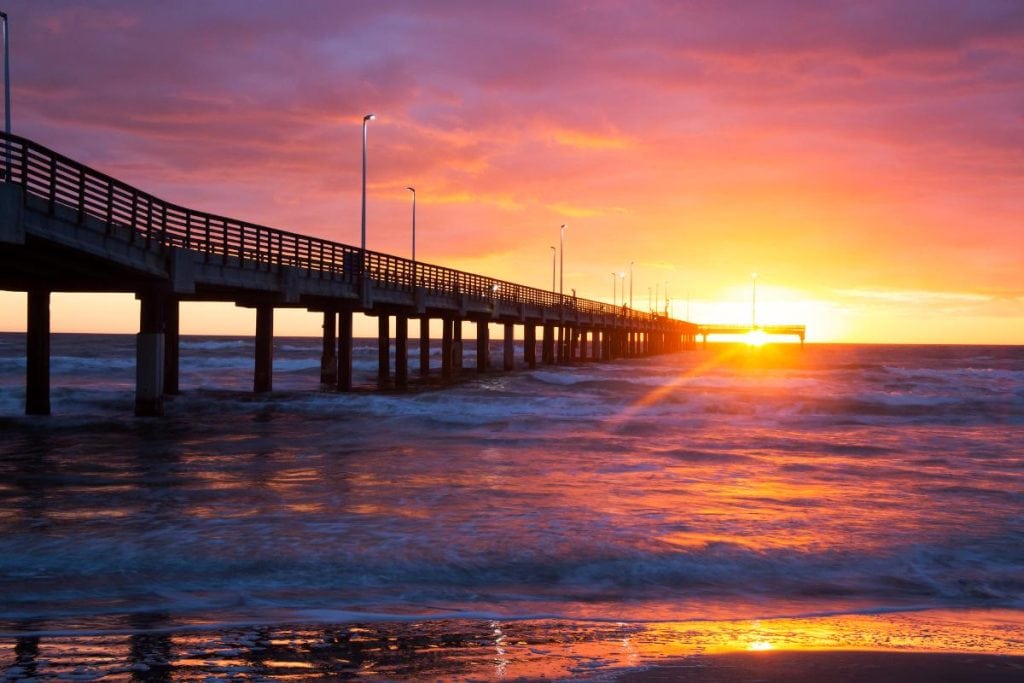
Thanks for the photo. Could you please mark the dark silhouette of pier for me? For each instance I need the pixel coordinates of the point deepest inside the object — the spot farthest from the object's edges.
(65, 227)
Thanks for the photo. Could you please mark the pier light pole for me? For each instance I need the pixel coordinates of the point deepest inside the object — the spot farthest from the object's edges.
(553, 250)
(622, 287)
(7, 96)
(413, 190)
(366, 119)
(613, 288)
(753, 302)
(630, 285)
(561, 262)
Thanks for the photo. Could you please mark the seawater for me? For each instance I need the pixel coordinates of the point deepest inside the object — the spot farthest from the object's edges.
(727, 485)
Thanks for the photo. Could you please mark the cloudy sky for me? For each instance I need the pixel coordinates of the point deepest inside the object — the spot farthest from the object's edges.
(865, 158)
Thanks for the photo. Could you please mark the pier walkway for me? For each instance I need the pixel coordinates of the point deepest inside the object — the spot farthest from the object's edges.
(65, 227)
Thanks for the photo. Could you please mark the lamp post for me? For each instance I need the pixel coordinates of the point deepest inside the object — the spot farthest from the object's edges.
(561, 262)
(753, 302)
(413, 190)
(366, 119)
(553, 250)
(622, 287)
(7, 97)
(613, 288)
(630, 285)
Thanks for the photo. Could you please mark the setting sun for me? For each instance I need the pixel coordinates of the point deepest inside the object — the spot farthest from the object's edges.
(755, 338)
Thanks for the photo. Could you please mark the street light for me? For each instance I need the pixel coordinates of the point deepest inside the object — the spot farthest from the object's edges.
(7, 98)
(561, 262)
(630, 285)
(413, 190)
(553, 250)
(367, 118)
(613, 288)
(753, 302)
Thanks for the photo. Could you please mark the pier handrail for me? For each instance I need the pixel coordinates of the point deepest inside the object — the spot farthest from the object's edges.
(158, 224)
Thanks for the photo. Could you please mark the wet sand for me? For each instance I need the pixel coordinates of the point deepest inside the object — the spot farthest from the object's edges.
(835, 667)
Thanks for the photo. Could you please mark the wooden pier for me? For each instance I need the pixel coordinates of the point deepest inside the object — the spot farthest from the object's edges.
(67, 228)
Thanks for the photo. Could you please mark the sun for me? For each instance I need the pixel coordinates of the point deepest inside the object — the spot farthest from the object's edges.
(755, 338)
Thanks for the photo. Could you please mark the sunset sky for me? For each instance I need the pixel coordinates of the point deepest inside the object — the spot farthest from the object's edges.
(865, 158)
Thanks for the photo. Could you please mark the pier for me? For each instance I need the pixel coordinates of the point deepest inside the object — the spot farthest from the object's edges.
(65, 227)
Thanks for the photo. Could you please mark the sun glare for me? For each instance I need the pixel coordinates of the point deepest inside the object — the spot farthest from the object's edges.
(755, 338)
(760, 646)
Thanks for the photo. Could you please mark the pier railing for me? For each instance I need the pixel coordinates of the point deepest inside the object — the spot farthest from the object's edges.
(139, 217)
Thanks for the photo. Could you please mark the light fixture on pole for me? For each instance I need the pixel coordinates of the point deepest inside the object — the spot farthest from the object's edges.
(630, 285)
(753, 302)
(554, 249)
(561, 262)
(366, 119)
(614, 283)
(413, 190)
(7, 97)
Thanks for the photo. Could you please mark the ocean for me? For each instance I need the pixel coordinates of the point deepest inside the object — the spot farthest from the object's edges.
(567, 521)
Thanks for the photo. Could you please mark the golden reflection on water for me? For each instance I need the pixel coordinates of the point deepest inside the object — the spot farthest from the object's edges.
(472, 650)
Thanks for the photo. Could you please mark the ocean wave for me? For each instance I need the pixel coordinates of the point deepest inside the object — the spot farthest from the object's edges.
(90, 572)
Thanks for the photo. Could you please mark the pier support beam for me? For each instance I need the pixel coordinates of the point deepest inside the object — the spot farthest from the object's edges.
(424, 346)
(401, 352)
(548, 345)
(149, 355)
(447, 348)
(483, 352)
(172, 346)
(457, 346)
(328, 357)
(37, 350)
(344, 374)
(509, 359)
(530, 345)
(263, 379)
(383, 350)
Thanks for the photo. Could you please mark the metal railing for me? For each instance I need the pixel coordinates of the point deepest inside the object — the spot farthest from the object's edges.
(139, 217)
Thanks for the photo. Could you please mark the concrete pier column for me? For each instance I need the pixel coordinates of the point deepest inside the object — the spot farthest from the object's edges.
(401, 351)
(548, 345)
(424, 346)
(457, 346)
(509, 360)
(37, 353)
(149, 355)
(483, 352)
(172, 346)
(447, 348)
(383, 350)
(263, 377)
(560, 345)
(328, 356)
(344, 374)
(530, 345)
(574, 339)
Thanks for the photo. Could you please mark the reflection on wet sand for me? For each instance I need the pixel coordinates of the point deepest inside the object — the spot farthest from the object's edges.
(475, 649)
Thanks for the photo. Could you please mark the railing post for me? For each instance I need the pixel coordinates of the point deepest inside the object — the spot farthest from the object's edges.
(134, 213)
(53, 184)
(81, 195)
